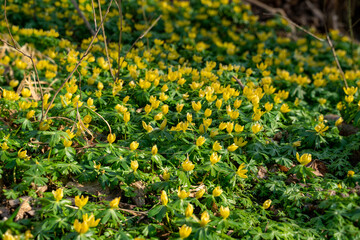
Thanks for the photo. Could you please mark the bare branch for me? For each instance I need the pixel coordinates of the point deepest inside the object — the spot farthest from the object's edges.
(101, 118)
(78, 64)
(94, 13)
(120, 38)
(142, 35)
(87, 24)
(105, 42)
(336, 60)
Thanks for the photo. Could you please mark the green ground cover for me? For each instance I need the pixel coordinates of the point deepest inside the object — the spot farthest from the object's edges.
(191, 120)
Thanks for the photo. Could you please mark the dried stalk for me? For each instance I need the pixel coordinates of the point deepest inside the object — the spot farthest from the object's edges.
(105, 42)
(87, 24)
(336, 60)
(78, 64)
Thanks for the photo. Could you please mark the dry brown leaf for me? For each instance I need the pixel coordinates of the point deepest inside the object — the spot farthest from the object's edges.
(319, 167)
(24, 208)
(140, 193)
(262, 172)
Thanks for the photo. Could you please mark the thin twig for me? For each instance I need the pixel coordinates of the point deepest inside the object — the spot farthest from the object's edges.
(142, 35)
(120, 38)
(351, 29)
(105, 42)
(35, 69)
(8, 26)
(336, 59)
(101, 118)
(82, 124)
(68, 119)
(239, 82)
(78, 64)
(146, 22)
(87, 24)
(94, 13)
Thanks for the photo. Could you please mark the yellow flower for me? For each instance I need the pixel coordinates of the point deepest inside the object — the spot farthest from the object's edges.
(126, 117)
(349, 99)
(166, 175)
(100, 86)
(25, 93)
(256, 128)
(239, 128)
(134, 145)
(196, 106)
(154, 150)
(350, 90)
(115, 202)
(164, 198)
(90, 220)
(241, 171)
(322, 101)
(205, 219)
(200, 193)
(304, 159)
(70, 134)
(179, 107)
(189, 210)
(216, 146)
(58, 194)
(80, 202)
(187, 165)
(67, 143)
(214, 158)
(321, 128)
(23, 154)
(240, 142)
(87, 119)
(81, 228)
(200, 141)
(163, 124)
(14, 83)
(147, 127)
(158, 116)
(111, 138)
(224, 212)
(182, 194)
(207, 112)
(30, 114)
(285, 108)
(134, 165)
(232, 147)
(217, 191)
(4, 146)
(268, 106)
(350, 173)
(339, 121)
(184, 231)
(296, 144)
(267, 204)
(218, 103)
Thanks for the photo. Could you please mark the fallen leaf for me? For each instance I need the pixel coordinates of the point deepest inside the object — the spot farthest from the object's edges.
(24, 208)
(262, 172)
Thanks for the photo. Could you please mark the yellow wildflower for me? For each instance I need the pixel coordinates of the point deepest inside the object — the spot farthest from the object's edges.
(224, 212)
(58, 194)
(80, 202)
(164, 198)
(304, 159)
(267, 204)
(187, 165)
(217, 191)
(242, 171)
(205, 219)
(115, 202)
(182, 194)
(184, 231)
